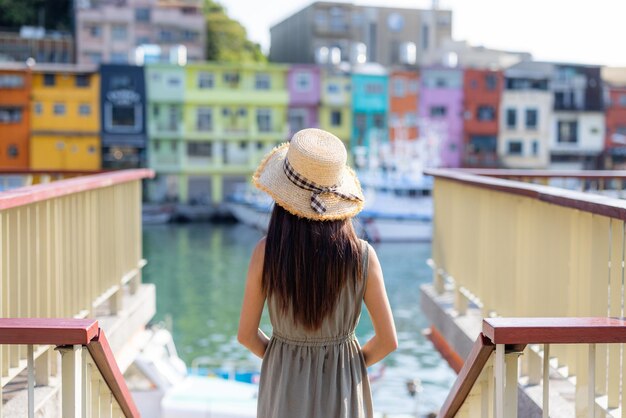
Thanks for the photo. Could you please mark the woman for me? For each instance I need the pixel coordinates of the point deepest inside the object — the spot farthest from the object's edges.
(314, 273)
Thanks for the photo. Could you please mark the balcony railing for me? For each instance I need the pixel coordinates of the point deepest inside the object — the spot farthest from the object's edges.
(71, 249)
(505, 248)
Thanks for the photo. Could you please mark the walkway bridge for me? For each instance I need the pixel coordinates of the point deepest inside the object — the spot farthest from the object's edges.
(70, 271)
(528, 289)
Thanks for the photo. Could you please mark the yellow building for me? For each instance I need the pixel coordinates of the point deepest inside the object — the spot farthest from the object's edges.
(65, 122)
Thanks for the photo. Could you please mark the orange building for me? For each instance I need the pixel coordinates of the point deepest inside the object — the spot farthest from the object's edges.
(15, 86)
(482, 90)
(403, 100)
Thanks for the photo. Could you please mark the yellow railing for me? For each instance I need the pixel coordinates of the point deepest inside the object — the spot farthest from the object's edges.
(68, 249)
(523, 250)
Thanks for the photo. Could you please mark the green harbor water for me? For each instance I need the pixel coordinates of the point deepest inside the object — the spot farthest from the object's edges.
(200, 269)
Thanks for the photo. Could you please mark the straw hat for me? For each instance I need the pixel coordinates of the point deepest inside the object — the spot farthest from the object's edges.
(309, 177)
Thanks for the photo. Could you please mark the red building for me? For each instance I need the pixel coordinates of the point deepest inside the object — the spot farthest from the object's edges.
(403, 100)
(15, 88)
(482, 90)
(615, 117)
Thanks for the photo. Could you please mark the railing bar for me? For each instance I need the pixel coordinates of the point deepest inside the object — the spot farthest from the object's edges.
(500, 378)
(31, 381)
(592, 381)
(546, 381)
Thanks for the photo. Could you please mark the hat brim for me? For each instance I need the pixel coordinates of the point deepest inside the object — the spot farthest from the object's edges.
(271, 179)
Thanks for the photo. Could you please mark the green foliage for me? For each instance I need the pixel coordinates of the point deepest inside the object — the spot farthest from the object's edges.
(227, 39)
(56, 15)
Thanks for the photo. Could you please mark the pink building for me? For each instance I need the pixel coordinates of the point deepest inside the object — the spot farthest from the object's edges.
(109, 31)
(303, 82)
(441, 111)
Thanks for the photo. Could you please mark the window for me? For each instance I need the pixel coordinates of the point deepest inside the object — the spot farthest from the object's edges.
(166, 35)
(94, 57)
(59, 109)
(226, 112)
(48, 80)
(142, 15)
(511, 118)
(441, 82)
(118, 32)
(119, 57)
(189, 35)
(335, 118)
(262, 81)
(204, 119)
(567, 132)
(622, 100)
(91, 149)
(531, 118)
(173, 82)
(410, 120)
(242, 112)
(491, 81)
(438, 111)
(413, 86)
(374, 88)
(10, 115)
(398, 87)
(82, 80)
(231, 79)
(156, 77)
(486, 113)
(474, 84)
(120, 82)
(515, 148)
(10, 81)
(12, 151)
(38, 108)
(157, 145)
(483, 143)
(199, 149)
(535, 147)
(123, 116)
(332, 88)
(206, 80)
(156, 110)
(172, 118)
(84, 110)
(264, 120)
(379, 121)
(94, 30)
(303, 81)
(297, 119)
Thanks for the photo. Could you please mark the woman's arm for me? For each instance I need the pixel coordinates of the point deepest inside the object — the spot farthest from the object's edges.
(384, 340)
(249, 333)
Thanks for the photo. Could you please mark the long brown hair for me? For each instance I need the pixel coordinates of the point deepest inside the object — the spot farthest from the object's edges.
(307, 264)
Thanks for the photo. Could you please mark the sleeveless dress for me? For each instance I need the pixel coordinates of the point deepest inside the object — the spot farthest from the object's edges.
(317, 374)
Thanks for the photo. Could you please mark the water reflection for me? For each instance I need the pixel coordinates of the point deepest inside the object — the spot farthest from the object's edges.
(200, 273)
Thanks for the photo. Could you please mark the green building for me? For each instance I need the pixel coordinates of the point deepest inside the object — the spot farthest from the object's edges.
(209, 132)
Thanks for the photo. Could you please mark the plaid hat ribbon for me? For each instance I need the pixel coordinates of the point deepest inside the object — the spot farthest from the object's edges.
(316, 203)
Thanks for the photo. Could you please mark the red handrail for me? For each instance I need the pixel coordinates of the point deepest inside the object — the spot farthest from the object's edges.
(39, 192)
(60, 332)
(520, 332)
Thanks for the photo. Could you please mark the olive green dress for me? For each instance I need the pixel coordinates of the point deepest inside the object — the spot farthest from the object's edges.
(317, 374)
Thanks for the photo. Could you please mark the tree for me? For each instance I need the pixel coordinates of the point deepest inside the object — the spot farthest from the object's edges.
(227, 39)
(55, 15)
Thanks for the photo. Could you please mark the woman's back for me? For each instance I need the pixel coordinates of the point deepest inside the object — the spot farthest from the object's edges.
(321, 372)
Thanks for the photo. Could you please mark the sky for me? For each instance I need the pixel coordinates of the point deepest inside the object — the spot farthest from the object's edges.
(577, 31)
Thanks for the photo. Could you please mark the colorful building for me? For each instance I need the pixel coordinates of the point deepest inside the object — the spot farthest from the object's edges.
(303, 82)
(15, 87)
(615, 117)
(526, 115)
(233, 115)
(123, 103)
(166, 150)
(335, 112)
(577, 139)
(403, 101)
(65, 118)
(370, 106)
(441, 109)
(482, 92)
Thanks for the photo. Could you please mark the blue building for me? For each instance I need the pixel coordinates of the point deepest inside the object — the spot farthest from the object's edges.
(123, 116)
